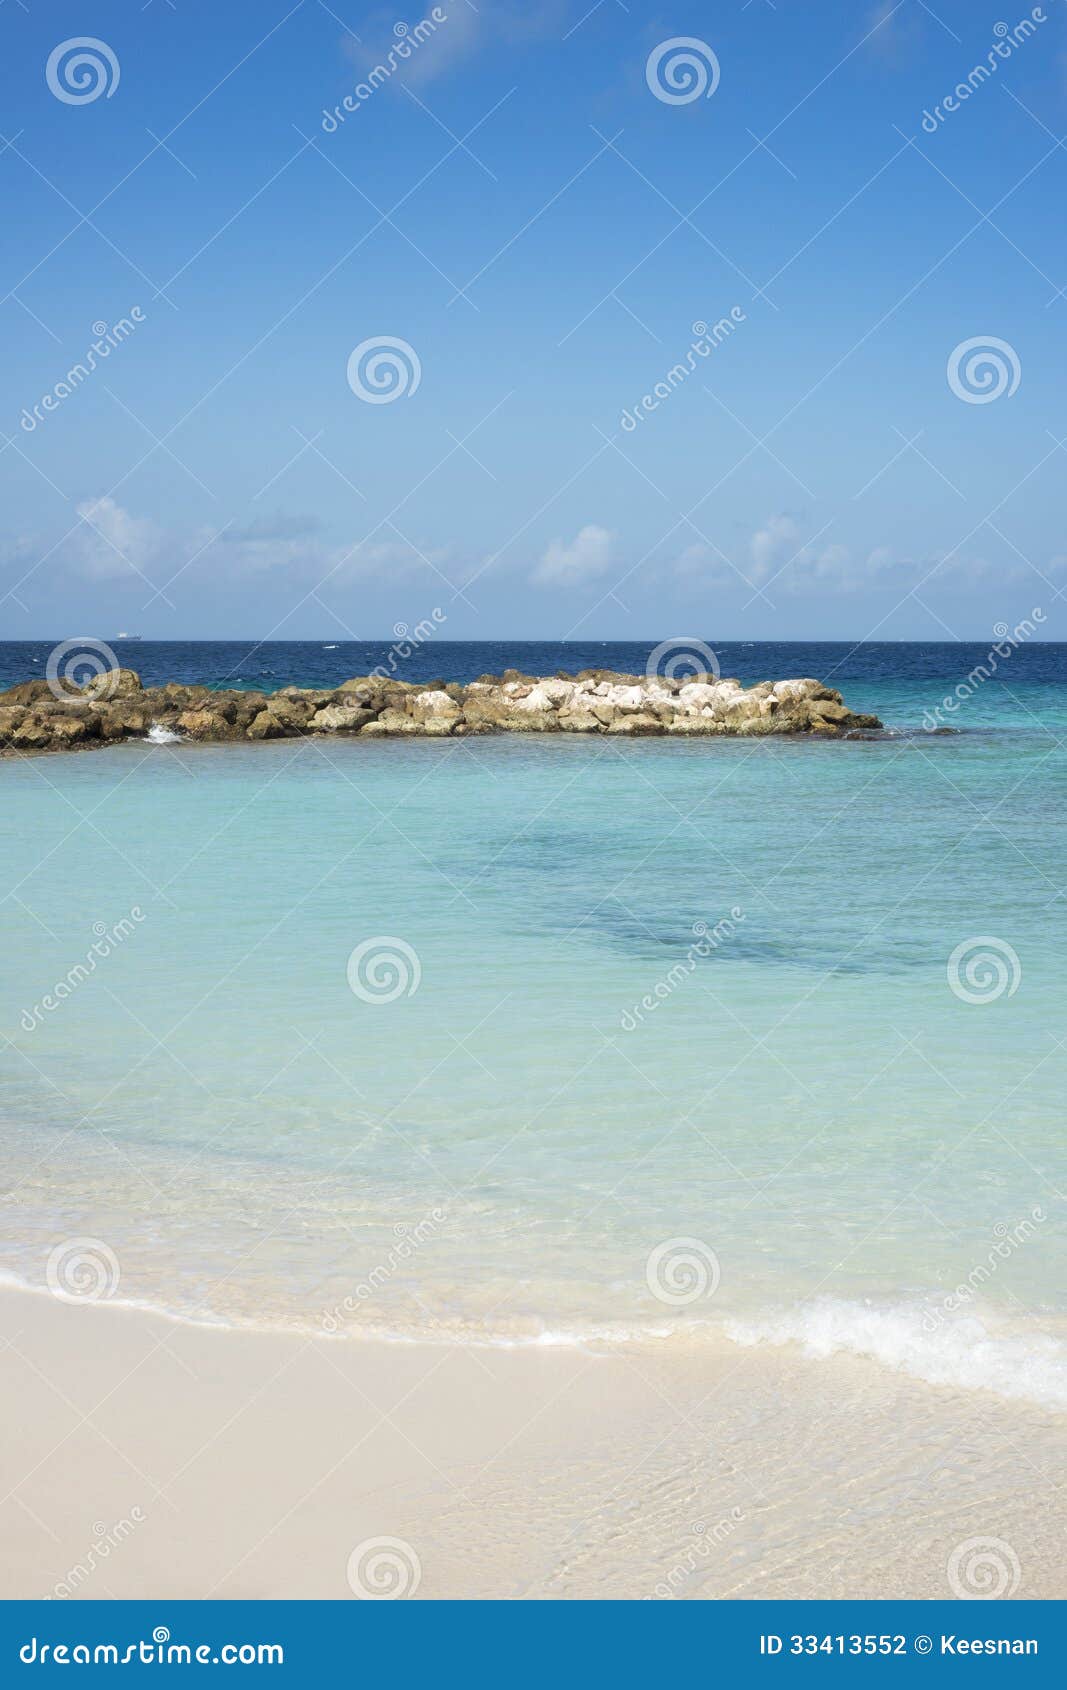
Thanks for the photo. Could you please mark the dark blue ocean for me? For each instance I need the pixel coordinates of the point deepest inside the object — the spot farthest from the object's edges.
(898, 681)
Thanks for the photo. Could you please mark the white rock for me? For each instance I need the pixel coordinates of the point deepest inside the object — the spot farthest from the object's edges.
(335, 718)
(624, 698)
(435, 703)
(796, 689)
(538, 697)
(656, 693)
(556, 691)
(698, 695)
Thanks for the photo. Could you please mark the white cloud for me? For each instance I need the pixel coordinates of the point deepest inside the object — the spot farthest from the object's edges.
(772, 545)
(828, 567)
(893, 34)
(779, 558)
(588, 555)
(111, 542)
(280, 548)
(466, 31)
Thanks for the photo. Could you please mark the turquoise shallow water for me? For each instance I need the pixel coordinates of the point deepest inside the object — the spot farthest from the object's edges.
(856, 1153)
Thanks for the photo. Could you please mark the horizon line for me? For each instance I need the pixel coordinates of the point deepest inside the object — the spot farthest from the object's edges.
(502, 639)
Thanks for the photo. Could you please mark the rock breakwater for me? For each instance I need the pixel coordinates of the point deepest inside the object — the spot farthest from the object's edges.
(39, 715)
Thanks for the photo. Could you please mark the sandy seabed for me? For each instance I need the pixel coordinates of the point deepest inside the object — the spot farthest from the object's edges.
(144, 1457)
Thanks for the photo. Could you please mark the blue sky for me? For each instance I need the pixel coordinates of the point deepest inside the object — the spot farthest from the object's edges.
(541, 230)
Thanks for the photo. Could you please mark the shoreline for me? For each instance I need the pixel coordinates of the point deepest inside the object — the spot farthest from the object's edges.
(539, 1473)
(1021, 1366)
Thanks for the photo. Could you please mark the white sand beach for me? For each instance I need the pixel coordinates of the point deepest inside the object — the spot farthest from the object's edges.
(144, 1457)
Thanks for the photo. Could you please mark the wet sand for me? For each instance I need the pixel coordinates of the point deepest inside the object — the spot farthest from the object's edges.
(143, 1457)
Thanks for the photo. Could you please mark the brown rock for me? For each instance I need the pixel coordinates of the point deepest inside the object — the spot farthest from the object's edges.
(609, 675)
(636, 724)
(696, 725)
(532, 722)
(113, 683)
(26, 692)
(32, 734)
(175, 696)
(128, 718)
(202, 724)
(485, 709)
(828, 711)
(293, 714)
(340, 718)
(265, 726)
(68, 730)
(393, 721)
(368, 695)
(246, 707)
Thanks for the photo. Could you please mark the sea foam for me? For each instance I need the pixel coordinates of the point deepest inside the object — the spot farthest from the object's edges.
(965, 1353)
(159, 735)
